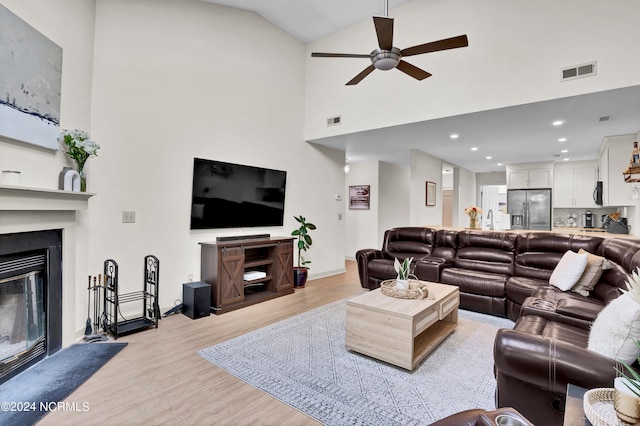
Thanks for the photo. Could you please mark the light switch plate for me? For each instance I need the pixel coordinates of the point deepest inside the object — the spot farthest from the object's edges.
(128, 217)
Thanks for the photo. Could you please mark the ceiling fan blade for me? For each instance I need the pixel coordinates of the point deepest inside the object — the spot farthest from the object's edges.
(412, 70)
(435, 46)
(339, 55)
(384, 30)
(358, 78)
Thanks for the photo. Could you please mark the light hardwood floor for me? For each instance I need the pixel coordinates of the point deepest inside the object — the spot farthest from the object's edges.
(158, 379)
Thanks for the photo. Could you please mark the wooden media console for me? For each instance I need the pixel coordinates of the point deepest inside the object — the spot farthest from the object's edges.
(225, 263)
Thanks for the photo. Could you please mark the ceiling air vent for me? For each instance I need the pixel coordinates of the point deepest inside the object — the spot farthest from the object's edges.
(604, 118)
(334, 121)
(579, 71)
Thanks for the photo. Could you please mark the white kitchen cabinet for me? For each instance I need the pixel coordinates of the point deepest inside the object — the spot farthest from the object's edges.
(573, 184)
(530, 175)
(614, 159)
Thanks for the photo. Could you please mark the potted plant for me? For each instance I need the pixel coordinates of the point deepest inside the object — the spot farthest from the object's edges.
(300, 273)
(402, 282)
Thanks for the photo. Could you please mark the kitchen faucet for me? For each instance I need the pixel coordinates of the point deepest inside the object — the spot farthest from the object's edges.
(490, 215)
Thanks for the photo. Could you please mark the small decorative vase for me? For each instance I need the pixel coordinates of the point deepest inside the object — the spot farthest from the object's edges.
(402, 285)
(83, 178)
(472, 222)
(83, 181)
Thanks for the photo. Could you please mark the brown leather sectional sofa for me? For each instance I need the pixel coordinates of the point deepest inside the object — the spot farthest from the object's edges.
(507, 274)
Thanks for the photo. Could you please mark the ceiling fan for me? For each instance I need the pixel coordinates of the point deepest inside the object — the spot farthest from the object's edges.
(387, 56)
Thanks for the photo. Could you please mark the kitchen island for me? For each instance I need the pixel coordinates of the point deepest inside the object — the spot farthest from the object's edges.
(599, 232)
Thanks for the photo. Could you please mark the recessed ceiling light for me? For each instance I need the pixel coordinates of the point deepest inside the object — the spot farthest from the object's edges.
(562, 140)
(454, 136)
(499, 164)
(565, 159)
(564, 151)
(474, 149)
(489, 157)
(558, 123)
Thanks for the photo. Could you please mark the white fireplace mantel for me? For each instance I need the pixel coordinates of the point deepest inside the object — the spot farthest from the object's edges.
(25, 198)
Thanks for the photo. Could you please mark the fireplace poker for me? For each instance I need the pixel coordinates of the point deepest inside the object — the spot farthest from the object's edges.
(95, 304)
(100, 302)
(88, 330)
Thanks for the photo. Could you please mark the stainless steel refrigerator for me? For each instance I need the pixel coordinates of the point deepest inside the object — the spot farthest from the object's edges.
(530, 209)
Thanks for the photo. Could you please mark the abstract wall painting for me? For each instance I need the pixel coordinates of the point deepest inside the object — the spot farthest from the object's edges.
(30, 83)
(359, 197)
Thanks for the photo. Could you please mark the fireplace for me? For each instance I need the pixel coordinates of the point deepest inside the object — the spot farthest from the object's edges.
(30, 299)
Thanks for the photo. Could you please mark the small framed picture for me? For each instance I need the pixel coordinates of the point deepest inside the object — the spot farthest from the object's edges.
(431, 194)
(359, 197)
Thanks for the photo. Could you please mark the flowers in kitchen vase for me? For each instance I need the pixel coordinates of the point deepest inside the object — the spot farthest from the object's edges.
(473, 213)
(79, 148)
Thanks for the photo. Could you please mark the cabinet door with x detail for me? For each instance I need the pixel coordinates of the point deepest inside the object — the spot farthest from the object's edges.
(231, 279)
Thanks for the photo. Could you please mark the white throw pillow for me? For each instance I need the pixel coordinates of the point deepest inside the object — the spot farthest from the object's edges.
(569, 270)
(615, 329)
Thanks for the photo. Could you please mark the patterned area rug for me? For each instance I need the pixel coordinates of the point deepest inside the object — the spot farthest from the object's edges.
(302, 361)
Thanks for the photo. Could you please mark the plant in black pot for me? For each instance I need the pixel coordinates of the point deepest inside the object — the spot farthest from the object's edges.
(301, 272)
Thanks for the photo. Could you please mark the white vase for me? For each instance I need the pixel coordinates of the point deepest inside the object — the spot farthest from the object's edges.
(402, 285)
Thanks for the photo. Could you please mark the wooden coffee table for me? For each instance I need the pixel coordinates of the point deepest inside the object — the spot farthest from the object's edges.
(401, 331)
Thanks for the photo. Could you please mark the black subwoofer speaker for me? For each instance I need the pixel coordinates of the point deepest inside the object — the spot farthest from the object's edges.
(196, 299)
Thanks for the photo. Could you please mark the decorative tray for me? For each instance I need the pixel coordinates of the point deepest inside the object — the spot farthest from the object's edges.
(598, 407)
(417, 290)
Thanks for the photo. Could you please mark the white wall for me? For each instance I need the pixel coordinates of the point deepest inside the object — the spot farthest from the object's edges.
(69, 24)
(361, 226)
(178, 79)
(425, 167)
(465, 181)
(515, 54)
(395, 198)
(174, 80)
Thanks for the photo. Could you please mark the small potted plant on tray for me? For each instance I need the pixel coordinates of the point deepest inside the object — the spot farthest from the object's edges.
(402, 282)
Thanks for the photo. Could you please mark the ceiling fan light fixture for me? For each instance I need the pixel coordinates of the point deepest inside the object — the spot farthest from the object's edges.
(386, 59)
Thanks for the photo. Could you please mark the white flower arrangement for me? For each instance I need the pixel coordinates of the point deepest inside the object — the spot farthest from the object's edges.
(473, 211)
(79, 146)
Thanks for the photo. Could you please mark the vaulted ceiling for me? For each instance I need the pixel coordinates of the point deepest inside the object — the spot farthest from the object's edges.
(502, 136)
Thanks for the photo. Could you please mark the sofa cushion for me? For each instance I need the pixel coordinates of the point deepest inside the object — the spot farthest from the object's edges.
(476, 282)
(615, 329)
(406, 242)
(539, 326)
(537, 253)
(569, 270)
(382, 269)
(486, 251)
(592, 273)
(519, 288)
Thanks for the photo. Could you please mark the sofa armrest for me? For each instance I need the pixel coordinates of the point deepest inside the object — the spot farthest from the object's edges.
(363, 257)
(565, 307)
(429, 268)
(549, 363)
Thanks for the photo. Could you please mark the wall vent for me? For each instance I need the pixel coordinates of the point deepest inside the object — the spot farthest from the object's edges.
(579, 71)
(334, 121)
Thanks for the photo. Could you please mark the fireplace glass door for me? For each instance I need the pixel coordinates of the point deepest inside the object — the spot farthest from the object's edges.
(22, 316)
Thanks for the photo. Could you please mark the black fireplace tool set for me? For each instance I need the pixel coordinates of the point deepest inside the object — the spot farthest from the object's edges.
(93, 334)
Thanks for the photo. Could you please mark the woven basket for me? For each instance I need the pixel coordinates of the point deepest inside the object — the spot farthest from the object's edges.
(417, 290)
(599, 409)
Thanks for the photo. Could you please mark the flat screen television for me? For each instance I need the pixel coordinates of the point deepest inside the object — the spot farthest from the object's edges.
(227, 195)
